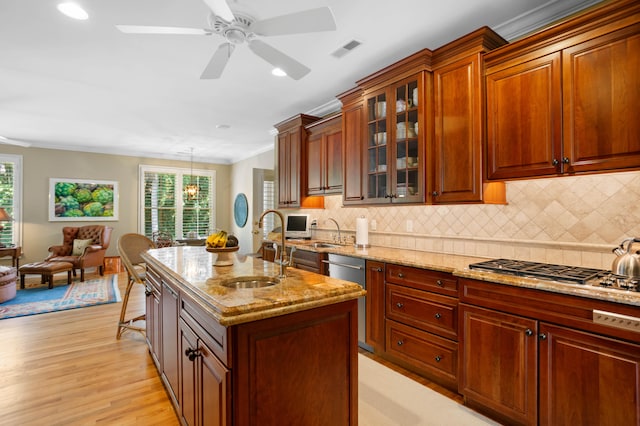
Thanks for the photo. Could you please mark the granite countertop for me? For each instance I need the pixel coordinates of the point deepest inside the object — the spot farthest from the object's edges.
(459, 266)
(192, 268)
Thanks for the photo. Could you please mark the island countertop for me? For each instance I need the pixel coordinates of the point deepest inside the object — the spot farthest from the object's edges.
(192, 269)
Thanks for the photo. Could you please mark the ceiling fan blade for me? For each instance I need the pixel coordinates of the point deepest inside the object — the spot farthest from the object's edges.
(221, 9)
(9, 141)
(218, 61)
(142, 29)
(308, 21)
(293, 68)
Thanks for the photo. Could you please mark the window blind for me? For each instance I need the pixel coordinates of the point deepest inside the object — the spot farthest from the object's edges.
(10, 197)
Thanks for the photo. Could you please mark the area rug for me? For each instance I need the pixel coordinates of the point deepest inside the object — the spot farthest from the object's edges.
(40, 300)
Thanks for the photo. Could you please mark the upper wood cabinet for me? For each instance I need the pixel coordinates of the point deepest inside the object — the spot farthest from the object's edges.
(565, 100)
(352, 147)
(324, 156)
(458, 100)
(291, 159)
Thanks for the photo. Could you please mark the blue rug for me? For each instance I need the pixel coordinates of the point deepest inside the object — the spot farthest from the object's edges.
(40, 300)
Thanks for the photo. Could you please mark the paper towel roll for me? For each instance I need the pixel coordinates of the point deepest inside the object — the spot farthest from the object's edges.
(362, 232)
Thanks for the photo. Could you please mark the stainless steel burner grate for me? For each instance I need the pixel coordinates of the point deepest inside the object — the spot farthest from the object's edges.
(562, 273)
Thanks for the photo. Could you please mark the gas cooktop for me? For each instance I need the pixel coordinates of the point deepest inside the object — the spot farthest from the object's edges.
(560, 273)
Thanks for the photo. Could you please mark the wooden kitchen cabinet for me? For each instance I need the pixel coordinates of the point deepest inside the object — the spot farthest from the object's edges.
(587, 379)
(205, 382)
(324, 156)
(310, 261)
(565, 100)
(537, 357)
(459, 123)
(375, 305)
(153, 288)
(421, 322)
(395, 142)
(499, 364)
(352, 146)
(170, 351)
(291, 156)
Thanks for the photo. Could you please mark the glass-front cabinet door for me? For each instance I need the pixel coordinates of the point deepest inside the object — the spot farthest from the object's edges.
(395, 147)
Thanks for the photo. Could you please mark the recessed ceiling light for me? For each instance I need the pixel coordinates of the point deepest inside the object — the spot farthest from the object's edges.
(222, 126)
(73, 10)
(278, 72)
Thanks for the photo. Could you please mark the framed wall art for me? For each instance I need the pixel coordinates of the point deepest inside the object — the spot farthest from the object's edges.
(76, 200)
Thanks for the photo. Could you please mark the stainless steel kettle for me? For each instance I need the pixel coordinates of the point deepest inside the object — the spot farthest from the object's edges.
(627, 264)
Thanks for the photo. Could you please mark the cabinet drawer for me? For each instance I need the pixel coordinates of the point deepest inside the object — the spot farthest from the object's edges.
(208, 330)
(309, 261)
(423, 279)
(427, 311)
(425, 351)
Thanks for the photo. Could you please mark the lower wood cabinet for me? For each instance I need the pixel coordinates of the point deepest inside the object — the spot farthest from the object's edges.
(587, 379)
(532, 357)
(298, 368)
(375, 327)
(153, 309)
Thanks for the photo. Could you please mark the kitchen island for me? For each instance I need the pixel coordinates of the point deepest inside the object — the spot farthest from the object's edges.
(280, 352)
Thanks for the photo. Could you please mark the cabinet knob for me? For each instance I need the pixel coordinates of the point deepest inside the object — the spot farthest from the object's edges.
(400, 275)
(192, 354)
(379, 270)
(565, 160)
(555, 162)
(400, 305)
(438, 358)
(440, 283)
(435, 193)
(542, 336)
(528, 332)
(437, 316)
(400, 342)
(362, 197)
(147, 292)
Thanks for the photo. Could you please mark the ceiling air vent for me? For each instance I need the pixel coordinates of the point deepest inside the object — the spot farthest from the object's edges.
(346, 48)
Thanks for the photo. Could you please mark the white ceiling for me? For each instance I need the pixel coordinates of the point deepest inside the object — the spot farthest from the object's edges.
(85, 86)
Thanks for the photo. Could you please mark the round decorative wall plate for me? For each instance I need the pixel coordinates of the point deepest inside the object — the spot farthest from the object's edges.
(241, 210)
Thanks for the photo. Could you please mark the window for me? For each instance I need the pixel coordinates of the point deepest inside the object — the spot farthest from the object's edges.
(11, 197)
(167, 208)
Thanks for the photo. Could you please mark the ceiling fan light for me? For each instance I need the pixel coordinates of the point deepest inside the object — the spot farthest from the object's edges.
(278, 72)
(73, 10)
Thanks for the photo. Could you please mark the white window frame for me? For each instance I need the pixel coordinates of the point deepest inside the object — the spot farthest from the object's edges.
(16, 237)
(179, 172)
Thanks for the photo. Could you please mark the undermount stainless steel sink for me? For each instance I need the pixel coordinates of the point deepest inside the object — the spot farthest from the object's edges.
(324, 245)
(250, 282)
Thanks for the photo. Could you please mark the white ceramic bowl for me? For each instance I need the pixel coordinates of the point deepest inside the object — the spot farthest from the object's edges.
(381, 109)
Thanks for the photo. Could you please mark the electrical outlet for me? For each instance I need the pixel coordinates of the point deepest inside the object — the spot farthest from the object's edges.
(409, 225)
(373, 225)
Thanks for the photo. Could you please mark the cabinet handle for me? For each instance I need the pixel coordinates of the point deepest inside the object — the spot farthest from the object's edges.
(565, 160)
(362, 197)
(438, 358)
(528, 332)
(400, 305)
(400, 275)
(439, 283)
(192, 354)
(379, 269)
(400, 342)
(435, 193)
(554, 162)
(437, 316)
(542, 336)
(147, 292)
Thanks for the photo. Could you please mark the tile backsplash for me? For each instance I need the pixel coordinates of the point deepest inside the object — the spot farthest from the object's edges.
(568, 220)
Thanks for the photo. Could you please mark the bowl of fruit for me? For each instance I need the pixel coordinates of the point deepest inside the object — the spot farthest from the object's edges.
(223, 245)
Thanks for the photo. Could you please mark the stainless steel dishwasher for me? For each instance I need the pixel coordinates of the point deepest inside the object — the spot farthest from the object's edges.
(352, 269)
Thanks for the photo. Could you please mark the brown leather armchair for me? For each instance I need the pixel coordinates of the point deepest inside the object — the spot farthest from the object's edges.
(92, 255)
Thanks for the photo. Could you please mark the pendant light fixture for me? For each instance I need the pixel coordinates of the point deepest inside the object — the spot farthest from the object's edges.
(191, 190)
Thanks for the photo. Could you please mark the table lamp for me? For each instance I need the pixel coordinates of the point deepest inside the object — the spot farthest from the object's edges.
(4, 217)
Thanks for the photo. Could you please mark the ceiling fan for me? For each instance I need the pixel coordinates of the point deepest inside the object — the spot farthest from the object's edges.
(238, 28)
(10, 141)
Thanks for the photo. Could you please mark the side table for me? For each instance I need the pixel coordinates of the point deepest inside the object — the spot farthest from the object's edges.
(14, 252)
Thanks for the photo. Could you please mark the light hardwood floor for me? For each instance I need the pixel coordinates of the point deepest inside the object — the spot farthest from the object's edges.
(67, 368)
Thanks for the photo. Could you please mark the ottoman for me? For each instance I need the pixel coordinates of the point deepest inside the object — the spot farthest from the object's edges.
(46, 270)
(7, 283)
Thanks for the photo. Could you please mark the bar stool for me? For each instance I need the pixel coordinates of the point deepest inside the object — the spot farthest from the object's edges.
(130, 247)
